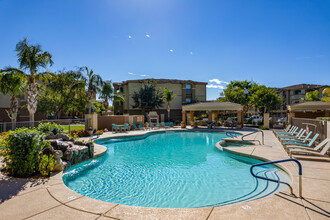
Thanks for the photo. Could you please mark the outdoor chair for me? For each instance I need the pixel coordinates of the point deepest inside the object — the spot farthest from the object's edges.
(297, 136)
(311, 152)
(115, 128)
(134, 126)
(159, 125)
(298, 140)
(141, 126)
(126, 127)
(287, 144)
(291, 131)
(285, 130)
(316, 148)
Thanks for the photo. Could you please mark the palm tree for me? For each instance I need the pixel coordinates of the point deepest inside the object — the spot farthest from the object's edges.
(168, 97)
(14, 84)
(32, 58)
(94, 83)
(108, 94)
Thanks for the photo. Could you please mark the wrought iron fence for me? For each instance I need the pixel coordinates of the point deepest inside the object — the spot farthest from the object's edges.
(68, 124)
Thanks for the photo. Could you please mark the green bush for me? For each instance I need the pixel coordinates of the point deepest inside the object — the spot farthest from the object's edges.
(46, 164)
(323, 118)
(50, 127)
(21, 151)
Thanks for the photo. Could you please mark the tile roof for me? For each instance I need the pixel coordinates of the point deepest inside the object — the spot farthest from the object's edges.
(161, 81)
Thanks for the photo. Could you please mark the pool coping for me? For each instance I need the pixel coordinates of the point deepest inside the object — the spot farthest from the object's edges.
(282, 203)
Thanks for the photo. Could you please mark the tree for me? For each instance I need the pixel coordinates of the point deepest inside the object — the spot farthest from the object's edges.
(108, 94)
(264, 98)
(14, 84)
(148, 97)
(239, 92)
(168, 97)
(312, 96)
(32, 58)
(326, 95)
(64, 92)
(93, 83)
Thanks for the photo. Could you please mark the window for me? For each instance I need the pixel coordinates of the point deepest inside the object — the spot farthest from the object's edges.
(188, 89)
(297, 92)
(188, 100)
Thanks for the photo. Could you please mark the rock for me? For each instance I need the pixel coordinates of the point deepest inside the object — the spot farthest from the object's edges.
(61, 145)
(80, 143)
(65, 137)
(48, 150)
(59, 163)
(51, 135)
(53, 143)
(67, 156)
(70, 143)
(105, 130)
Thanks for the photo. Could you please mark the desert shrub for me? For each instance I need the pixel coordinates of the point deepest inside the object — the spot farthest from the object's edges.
(100, 132)
(80, 133)
(46, 164)
(261, 127)
(21, 151)
(50, 127)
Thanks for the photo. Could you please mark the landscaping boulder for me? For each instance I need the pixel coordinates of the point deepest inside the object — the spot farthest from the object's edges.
(67, 155)
(51, 135)
(80, 143)
(61, 145)
(64, 137)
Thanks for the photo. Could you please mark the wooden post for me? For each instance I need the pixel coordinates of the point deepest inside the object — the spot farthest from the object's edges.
(192, 118)
(266, 120)
(240, 118)
(184, 118)
(209, 114)
(290, 116)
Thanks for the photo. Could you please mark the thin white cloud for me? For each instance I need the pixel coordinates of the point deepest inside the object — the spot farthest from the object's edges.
(129, 37)
(217, 81)
(191, 53)
(147, 35)
(143, 75)
(171, 50)
(212, 86)
(131, 73)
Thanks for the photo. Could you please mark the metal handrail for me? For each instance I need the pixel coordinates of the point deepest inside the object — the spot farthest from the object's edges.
(263, 141)
(278, 181)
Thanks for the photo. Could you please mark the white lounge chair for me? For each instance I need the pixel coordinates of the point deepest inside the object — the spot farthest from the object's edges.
(310, 152)
(316, 148)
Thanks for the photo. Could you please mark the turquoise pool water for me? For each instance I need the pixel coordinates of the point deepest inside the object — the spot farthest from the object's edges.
(171, 170)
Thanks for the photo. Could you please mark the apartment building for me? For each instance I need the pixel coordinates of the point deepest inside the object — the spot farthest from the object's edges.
(294, 94)
(187, 92)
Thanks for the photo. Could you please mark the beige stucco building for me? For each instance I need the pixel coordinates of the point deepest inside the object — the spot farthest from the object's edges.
(187, 92)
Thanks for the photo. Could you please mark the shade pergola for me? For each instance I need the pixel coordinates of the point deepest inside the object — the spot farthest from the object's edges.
(213, 108)
(311, 109)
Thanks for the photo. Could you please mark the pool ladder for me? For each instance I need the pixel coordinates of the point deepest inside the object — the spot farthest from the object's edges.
(278, 181)
(263, 136)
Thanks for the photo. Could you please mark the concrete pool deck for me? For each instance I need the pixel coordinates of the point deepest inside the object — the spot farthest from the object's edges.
(50, 199)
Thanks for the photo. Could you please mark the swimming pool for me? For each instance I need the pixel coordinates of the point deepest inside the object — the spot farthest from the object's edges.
(178, 169)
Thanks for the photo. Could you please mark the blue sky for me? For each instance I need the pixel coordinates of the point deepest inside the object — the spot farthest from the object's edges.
(276, 43)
